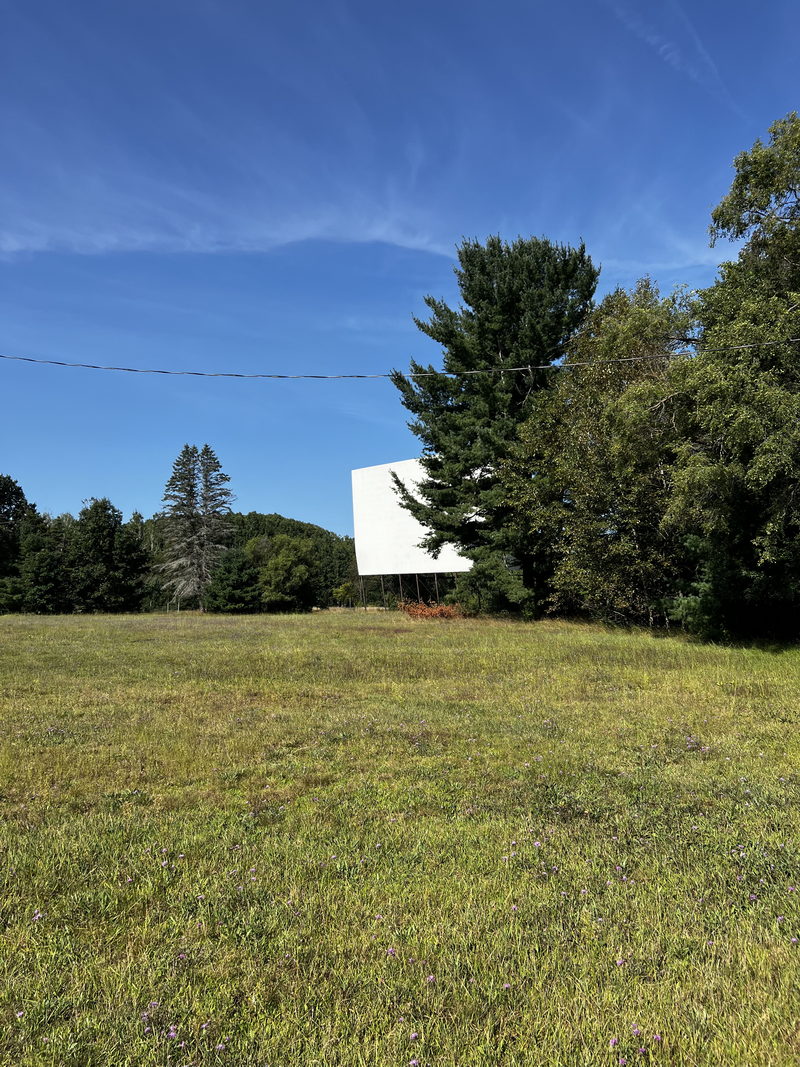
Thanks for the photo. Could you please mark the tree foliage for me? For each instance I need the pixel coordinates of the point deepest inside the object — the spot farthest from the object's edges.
(763, 204)
(590, 476)
(286, 569)
(738, 409)
(104, 561)
(195, 529)
(13, 509)
(234, 588)
(668, 488)
(214, 558)
(521, 304)
(332, 558)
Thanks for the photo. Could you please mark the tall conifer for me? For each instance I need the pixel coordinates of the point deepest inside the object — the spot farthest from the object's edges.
(197, 502)
(521, 304)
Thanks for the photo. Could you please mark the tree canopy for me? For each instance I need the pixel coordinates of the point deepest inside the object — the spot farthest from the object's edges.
(521, 304)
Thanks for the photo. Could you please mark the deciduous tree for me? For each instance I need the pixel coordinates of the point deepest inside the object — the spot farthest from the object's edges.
(737, 409)
(592, 472)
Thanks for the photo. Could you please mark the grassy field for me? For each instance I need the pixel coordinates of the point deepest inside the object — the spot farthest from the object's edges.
(357, 840)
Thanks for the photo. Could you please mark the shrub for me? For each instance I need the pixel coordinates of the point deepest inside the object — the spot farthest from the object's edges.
(416, 610)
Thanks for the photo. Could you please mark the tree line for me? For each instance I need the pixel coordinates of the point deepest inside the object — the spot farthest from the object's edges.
(195, 553)
(643, 465)
(634, 460)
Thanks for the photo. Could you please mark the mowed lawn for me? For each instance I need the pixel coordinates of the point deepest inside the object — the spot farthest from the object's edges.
(353, 839)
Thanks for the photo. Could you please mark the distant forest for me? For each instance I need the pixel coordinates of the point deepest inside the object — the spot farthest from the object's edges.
(95, 562)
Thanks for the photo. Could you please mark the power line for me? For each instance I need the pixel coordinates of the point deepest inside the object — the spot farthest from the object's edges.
(413, 375)
(695, 341)
(327, 377)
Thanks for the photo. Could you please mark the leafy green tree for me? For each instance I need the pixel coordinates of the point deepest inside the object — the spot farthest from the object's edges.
(737, 410)
(763, 207)
(591, 474)
(286, 568)
(345, 595)
(333, 556)
(234, 588)
(521, 304)
(195, 527)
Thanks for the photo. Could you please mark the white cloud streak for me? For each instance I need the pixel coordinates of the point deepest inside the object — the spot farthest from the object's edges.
(688, 57)
(97, 218)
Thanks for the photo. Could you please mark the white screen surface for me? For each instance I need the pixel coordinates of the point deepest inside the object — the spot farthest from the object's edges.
(387, 536)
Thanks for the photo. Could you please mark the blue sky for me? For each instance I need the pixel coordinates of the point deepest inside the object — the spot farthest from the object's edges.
(265, 187)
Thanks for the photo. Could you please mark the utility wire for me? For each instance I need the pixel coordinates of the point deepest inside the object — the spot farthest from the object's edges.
(412, 375)
(328, 377)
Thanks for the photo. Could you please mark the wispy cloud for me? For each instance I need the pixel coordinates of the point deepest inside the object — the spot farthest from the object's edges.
(280, 149)
(678, 44)
(105, 219)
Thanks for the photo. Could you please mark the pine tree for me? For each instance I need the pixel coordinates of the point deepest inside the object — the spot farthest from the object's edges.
(521, 304)
(105, 563)
(234, 588)
(195, 524)
(13, 509)
(214, 505)
(44, 547)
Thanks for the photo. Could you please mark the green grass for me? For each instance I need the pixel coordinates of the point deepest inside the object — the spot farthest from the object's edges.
(304, 840)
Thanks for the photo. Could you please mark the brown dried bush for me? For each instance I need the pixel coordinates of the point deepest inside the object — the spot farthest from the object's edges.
(416, 610)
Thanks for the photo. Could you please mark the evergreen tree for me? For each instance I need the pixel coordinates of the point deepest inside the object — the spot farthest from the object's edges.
(521, 304)
(13, 509)
(195, 522)
(214, 505)
(234, 588)
(105, 563)
(43, 568)
(181, 527)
